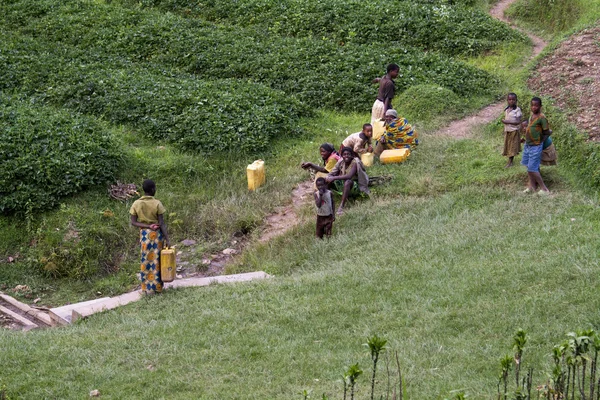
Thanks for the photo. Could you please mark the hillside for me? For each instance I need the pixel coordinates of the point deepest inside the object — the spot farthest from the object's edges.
(446, 261)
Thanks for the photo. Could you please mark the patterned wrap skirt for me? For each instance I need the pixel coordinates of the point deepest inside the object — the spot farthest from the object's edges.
(151, 243)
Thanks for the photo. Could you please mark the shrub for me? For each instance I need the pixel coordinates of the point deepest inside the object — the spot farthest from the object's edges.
(458, 29)
(48, 154)
(320, 73)
(426, 102)
(199, 115)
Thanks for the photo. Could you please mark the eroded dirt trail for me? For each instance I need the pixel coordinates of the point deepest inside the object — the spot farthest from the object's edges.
(287, 216)
(463, 127)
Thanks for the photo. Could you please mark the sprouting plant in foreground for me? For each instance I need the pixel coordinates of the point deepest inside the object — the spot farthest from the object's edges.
(352, 374)
(519, 341)
(505, 364)
(376, 346)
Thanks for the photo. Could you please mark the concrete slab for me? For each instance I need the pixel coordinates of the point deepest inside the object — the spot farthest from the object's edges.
(190, 282)
(32, 312)
(27, 324)
(62, 315)
(72, 312)
(109, 304)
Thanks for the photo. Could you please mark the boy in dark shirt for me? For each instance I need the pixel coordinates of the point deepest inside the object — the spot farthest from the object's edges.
(387, 90)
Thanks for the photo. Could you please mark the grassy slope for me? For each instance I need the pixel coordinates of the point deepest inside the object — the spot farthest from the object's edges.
(446, 262)
(447, 270)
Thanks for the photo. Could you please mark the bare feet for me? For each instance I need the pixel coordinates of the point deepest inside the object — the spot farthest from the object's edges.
(508, 164)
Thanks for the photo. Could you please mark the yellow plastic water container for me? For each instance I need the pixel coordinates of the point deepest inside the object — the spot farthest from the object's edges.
(168, 265)
(394, 156)
(256, 174)
(378, 129)
(367, 159)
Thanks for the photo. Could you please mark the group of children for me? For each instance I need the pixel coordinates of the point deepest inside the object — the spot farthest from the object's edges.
(345, 174)
(538, 148)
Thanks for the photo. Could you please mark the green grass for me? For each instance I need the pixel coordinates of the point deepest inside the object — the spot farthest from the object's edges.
(445, 262)
(447, 280)
(552, 18)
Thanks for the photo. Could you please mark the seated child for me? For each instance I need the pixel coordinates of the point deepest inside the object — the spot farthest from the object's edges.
(360, 142)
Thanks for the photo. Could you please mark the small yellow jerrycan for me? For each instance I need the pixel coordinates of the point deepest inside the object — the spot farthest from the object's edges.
(378, 129)
(167, 264)
(367, 159)
(256, 174)
(394, 156)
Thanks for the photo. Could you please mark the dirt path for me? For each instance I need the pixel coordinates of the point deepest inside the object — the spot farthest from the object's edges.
(286, 217)
(463, 127)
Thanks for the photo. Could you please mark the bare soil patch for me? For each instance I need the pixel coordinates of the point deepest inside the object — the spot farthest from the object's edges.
(280, 221)
(463, 128)
(571, 76)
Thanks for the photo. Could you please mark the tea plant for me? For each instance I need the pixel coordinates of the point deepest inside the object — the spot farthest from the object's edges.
(458, 29)
(321, 73)
(48, 154)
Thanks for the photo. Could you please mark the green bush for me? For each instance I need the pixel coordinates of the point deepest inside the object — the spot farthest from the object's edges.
(48, 154)
(199, 115)
(97, 250)
(320, 73)
(426, 102)
(440, 26)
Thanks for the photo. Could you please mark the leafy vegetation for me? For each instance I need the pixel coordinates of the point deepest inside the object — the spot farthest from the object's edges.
(458, 29)
(320, 73)
(48, 154)
(198, 115)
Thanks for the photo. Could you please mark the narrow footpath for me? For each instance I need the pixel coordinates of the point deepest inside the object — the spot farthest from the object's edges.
(16, 315)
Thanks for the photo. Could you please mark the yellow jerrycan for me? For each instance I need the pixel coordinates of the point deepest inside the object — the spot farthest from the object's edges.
(367, 159)
(394, 156)
(256, 174)
(167, 264)
(378, 129)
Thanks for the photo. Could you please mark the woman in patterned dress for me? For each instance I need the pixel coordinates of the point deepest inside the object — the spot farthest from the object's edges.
(147, 214)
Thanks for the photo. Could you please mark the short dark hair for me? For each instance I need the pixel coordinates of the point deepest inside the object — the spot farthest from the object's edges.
(512, 94)
(537, 100)
(149, 186)
(392, 67)
(320, 179)
(367, 124)
(350, 149)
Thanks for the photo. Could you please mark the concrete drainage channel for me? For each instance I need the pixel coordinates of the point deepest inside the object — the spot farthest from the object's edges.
(19, 316)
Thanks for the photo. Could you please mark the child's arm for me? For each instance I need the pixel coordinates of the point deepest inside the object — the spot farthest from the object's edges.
(316, 167)
(317, 199)
(163, 229)
(349, 175)
(332, 204)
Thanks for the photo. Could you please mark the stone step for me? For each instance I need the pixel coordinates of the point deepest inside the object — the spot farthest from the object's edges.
(31, 312)
(62, 315)
(73, 312)
(27, 324)
(190, 282)
(109, 304)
